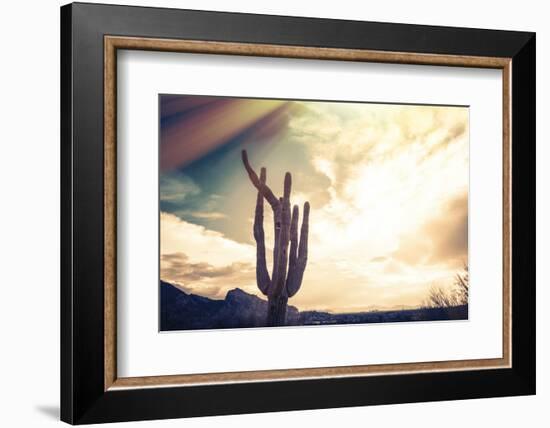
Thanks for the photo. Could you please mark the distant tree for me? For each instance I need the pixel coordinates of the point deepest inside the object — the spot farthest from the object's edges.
(462, 285)
(439, 297)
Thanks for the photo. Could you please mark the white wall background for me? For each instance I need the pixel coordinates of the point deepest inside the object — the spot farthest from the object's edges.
(29, 214)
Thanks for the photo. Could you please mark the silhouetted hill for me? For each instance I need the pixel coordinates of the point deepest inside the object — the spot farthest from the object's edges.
(183, 311)
(239, 309)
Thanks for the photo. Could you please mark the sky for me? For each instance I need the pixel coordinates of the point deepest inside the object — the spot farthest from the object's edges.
(387, 185)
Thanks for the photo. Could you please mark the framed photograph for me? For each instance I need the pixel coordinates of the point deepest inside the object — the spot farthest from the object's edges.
(266, 213)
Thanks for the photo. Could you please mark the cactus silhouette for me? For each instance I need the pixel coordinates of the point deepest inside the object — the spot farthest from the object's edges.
(288, 265)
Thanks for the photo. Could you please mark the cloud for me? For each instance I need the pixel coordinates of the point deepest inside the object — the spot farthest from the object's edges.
(442, 239)
(449, 232)
(344, 139)
(396, 218)
(203, 261)
(179, 266)
(176, 187)
(202, 276)
(208, 215)
(200, 215)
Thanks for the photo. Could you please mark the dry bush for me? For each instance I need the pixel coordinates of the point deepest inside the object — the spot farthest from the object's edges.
(462, 285)
(439, 297)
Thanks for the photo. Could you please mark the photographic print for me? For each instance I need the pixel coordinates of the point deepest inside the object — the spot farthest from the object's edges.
(279, 212)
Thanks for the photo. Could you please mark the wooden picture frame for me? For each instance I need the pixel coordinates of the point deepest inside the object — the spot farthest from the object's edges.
(91, 390)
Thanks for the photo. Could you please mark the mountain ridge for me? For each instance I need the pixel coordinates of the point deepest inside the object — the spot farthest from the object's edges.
(180, 310)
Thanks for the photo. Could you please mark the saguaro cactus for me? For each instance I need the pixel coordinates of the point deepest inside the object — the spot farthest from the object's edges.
(288, 266)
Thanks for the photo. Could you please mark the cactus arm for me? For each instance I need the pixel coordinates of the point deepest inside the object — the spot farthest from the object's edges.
(278, 275)
(296, 273)
(277, 221)
(262, 187)
(304, 232)
(284, 238)
(293, 238)
(292, 255)
(262, 275)
(287, 187)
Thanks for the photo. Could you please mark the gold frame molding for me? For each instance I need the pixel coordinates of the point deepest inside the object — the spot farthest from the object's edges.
(113, 43)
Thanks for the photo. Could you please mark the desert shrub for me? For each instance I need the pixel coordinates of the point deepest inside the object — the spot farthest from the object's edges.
(440, 297)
